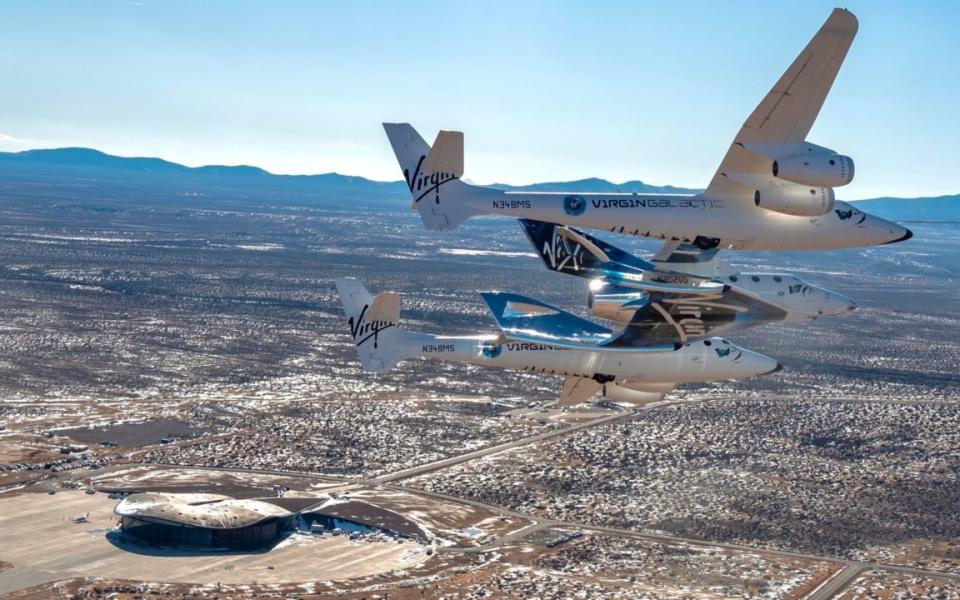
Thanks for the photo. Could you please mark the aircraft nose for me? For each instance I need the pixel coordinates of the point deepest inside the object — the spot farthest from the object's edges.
(907, 234)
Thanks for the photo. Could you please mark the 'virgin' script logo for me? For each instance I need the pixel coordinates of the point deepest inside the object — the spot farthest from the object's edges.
(362, 330)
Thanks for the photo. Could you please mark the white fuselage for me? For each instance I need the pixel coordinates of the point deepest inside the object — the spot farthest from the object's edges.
(736, 224)
(696, 362)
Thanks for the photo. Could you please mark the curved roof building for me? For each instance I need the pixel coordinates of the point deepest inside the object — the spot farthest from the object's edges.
(218, 521)
(207, 520)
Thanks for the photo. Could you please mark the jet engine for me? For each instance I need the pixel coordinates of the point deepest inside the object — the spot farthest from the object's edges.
(818, 170)
(612, 302)
(797, 200)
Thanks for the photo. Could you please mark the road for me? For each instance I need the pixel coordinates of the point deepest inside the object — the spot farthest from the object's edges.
(533, 439)
(833, 586)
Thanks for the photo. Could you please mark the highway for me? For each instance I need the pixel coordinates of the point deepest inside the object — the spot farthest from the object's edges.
(533, 439)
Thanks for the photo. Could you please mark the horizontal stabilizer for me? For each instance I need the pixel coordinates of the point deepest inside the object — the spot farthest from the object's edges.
(385, 307)
(446, 154)
(577, 390)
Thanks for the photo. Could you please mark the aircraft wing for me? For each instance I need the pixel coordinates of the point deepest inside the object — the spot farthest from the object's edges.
(788, 111)
(635, 393)
(577, 390)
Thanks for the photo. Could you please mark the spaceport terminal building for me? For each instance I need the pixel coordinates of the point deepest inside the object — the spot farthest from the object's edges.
(215, 521)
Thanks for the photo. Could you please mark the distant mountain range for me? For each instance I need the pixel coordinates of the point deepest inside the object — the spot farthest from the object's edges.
(595, 184)
(93, 164)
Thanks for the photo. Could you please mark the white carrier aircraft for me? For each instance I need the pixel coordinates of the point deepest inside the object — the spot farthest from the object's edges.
(539, 338)
(773, 190)
(686, 295)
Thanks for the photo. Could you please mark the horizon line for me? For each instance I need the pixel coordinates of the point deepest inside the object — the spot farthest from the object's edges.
(394, 181)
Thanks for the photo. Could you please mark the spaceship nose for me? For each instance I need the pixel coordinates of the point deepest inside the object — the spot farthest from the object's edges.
(762, 364)
(838, 304)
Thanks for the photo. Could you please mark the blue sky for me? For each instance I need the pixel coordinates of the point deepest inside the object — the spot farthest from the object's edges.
(544, 90)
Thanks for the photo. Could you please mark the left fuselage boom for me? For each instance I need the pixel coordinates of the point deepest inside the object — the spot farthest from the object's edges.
(685, 218)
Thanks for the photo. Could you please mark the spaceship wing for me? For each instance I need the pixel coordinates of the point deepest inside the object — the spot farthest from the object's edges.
(527, 319)
(524, 319)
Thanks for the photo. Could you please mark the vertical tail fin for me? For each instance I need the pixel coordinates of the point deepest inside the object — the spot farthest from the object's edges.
(433, 175)
(373, 322)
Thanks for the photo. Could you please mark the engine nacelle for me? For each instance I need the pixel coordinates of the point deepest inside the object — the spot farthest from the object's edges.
(817, 170)
(609, 301)
(797, 200)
